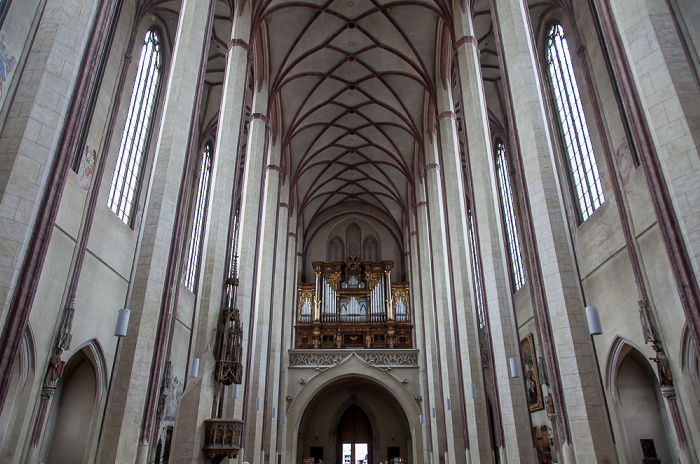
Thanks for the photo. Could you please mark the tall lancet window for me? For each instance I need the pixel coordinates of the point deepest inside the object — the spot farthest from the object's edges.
(126, 183)
(584, 169)
(476, 272)
(506, 193)
(199, 220)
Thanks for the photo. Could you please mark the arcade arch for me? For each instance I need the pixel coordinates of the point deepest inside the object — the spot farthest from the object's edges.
(341, 398)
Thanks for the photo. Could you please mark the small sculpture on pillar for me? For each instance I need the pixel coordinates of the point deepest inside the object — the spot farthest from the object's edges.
(229, 338)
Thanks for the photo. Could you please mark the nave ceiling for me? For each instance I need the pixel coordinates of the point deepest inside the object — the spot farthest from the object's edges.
(352, 89)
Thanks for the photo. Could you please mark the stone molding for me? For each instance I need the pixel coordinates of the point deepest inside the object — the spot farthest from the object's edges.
(330, 358)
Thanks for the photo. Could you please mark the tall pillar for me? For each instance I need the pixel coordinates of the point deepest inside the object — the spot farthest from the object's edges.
(424, 322)
(258, 420)
(285, 425)
(122, 435)
(196, 404)
(443, 323)
(412, 261)
(282, 310)
(464, 313)
(578, 395)
(223, 175)
(488, 226)
(36, 145)
(249, 248)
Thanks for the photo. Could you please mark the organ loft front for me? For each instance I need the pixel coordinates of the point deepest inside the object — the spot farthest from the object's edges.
(353, 304)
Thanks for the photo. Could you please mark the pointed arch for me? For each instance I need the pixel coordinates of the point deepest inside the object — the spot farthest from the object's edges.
(126, 183)
(93, 351)
(336, 249)
(370, 249)
(353, 239)
(27, 355)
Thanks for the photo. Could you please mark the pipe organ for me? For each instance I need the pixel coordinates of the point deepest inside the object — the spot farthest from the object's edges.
(353, 304)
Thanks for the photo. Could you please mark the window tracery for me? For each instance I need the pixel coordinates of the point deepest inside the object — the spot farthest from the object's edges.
(582, 162)
(506, 197)
(124, 191)
(199, 219)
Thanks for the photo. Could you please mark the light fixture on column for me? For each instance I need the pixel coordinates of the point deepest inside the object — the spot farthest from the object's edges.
(235, 390)
(420, 418)
(514, 367)
(432, 412)
(194, 367)
(257, 404)
(472, 390)
(274, 413)
(594, 326)
(448, 404)
(284, 419)
(122, 323)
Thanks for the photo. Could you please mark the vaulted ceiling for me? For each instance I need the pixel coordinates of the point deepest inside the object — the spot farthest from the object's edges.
(352, 78)
(352, 83)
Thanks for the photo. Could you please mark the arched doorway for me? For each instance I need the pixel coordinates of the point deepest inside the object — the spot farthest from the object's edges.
(642, 410)
(70, 425)
(355, 417)
(354, 437)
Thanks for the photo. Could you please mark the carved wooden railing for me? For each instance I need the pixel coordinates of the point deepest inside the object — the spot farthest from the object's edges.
(353, 304)
(222, 439)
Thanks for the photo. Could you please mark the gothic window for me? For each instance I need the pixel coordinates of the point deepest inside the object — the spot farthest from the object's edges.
(370, 251)
(199, 219)
(124, 191)
(582, 163)
(476, 272)
(506, 196)
(336, 249)
(353, 239)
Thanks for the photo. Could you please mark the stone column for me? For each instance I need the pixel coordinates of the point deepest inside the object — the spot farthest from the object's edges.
(249, 248)
(262, 317)
(36, 146)
(488, 226)
(464, 313)
(196, 404)
(281, 313)
(122, 426)
(291, 278)
(443, 322)
(228, 140)
(571, 355)
(425, 330)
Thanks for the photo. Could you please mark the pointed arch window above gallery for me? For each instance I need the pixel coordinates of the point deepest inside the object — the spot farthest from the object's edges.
(199, 219)
(505, 192)
(583, 174)
(126, 184)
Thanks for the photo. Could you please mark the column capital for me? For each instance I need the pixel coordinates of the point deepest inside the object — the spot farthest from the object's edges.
(467, 39)
(238, 43)
(447, 114)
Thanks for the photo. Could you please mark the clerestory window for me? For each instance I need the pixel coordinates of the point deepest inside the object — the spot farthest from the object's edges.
(128, 173)
(506, 196)
(199, 219)
(582, 163)
(476, 272)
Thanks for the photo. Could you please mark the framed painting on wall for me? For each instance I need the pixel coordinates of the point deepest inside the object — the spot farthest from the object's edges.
(530, 376)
